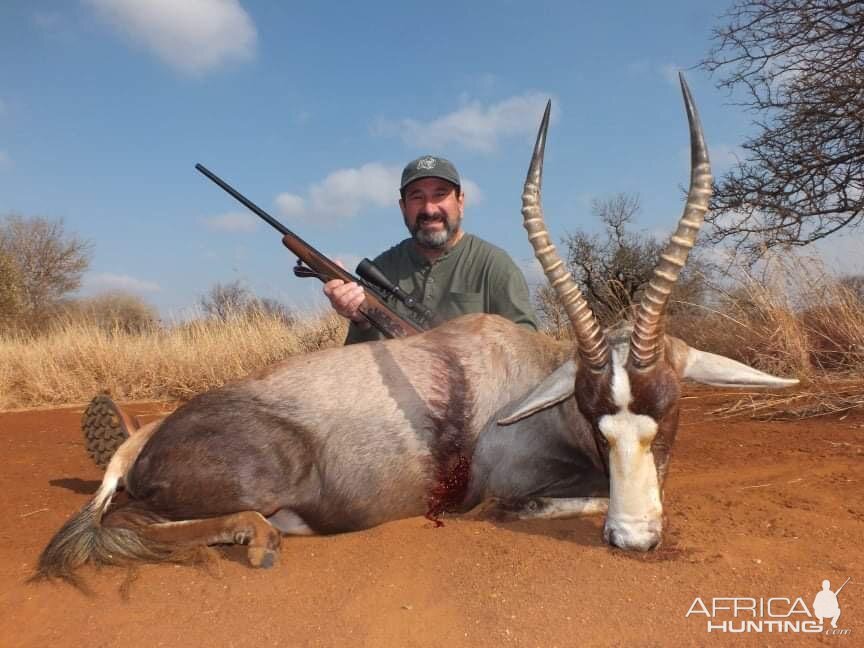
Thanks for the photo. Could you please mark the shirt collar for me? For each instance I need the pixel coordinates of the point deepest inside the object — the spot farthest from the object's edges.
(420, 260)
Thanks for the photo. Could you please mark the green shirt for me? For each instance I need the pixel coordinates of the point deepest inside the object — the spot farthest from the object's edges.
(473, 277)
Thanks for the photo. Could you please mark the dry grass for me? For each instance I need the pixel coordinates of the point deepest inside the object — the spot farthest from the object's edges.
(792, 319)
(77, 359)
(827, 397)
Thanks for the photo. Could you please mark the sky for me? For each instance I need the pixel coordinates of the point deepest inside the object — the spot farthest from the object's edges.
(311, 109)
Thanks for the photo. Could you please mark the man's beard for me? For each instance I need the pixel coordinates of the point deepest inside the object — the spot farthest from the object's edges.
(434, 240)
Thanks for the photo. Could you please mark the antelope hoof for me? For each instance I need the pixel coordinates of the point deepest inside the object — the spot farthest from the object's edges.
(262, 557)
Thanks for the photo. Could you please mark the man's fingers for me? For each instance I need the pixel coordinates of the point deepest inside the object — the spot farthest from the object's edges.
(354, 301)
(346, 298)
(332, 285)
(347, 291)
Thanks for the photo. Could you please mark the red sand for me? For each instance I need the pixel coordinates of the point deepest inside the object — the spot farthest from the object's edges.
(753, 510)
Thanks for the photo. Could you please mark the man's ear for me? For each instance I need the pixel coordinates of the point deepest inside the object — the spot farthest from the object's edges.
(402, 206)
(461, 201)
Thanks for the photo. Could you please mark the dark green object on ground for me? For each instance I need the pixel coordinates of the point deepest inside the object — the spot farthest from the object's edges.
(104, 429)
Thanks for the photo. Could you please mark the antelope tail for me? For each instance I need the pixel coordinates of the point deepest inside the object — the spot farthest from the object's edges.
(84, 540)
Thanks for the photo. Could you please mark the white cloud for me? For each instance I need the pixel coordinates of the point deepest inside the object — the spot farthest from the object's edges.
(290, 206)
(232, 222)
(473, 193)
(193, 36)
(5, 160)
(346, 192)
(109, 281)
(474, 126)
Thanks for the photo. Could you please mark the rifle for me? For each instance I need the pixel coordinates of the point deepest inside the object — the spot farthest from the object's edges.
(312, 263)
(842, 586)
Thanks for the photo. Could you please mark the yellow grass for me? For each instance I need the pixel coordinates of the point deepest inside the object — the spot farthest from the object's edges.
(77, 359)
(792, 319)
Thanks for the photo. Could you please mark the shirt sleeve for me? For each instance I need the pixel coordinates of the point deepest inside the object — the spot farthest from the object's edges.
(509, 295)
(355, 334)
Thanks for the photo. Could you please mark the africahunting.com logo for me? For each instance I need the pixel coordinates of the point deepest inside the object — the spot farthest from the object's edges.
(740, 614)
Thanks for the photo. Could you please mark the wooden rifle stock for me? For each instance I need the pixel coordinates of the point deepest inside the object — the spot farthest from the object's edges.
(376, 312)
(374, 309)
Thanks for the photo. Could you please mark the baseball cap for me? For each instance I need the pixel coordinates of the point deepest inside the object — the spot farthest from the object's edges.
(429, 166)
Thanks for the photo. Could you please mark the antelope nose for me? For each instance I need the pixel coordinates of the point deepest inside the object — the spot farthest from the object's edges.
(643, 538)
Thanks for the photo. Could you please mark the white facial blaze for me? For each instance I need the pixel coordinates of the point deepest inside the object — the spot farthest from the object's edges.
(635, 507)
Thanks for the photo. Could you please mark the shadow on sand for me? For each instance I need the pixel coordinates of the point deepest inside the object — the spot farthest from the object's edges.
(76, 485)
(588, 532)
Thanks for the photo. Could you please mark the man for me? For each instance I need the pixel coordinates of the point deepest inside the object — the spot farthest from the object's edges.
(451, 272)
(825, 605)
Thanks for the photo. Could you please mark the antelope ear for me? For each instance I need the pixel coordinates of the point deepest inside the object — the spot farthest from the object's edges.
(720, 371)
(557, 387)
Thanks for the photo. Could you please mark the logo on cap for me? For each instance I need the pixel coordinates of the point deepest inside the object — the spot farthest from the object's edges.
(427, 163)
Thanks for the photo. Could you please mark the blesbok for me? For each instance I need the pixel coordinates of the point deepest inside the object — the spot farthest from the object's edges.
(475, 409)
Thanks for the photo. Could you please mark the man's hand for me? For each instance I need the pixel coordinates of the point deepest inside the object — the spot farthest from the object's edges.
(346, 299)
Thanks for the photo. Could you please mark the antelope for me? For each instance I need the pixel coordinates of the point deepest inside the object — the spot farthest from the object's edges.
(476, 410)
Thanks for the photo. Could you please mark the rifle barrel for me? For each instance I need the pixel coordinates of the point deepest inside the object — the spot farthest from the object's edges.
(243, 199)
(384, 318)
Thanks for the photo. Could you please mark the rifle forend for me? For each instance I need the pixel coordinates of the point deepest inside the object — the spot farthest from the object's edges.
(374, 309)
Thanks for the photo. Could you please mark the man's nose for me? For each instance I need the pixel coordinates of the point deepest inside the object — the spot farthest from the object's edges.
(430, 206)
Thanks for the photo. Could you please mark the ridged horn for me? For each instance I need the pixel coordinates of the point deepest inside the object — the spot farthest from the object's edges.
(590, 342)
(645, 342)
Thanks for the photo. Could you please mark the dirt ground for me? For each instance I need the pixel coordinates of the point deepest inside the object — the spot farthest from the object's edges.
(754, 509)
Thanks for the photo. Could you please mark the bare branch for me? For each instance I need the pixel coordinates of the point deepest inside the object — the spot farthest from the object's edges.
(799, 65)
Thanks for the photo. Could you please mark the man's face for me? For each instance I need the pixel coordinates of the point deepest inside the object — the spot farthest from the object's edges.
(433, 212)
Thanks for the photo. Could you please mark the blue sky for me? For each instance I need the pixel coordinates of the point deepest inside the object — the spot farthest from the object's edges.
(312, 108)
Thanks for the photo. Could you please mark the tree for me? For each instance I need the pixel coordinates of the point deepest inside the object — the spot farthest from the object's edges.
(233, 299)
(553, 318)
(270, 307)
(800, 66)
(48, 262)
(113, 311)
(224, 301)
(10, 297)
(613, 268)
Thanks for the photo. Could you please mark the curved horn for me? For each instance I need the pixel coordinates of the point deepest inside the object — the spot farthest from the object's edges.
(645, 342)
(590, 341)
